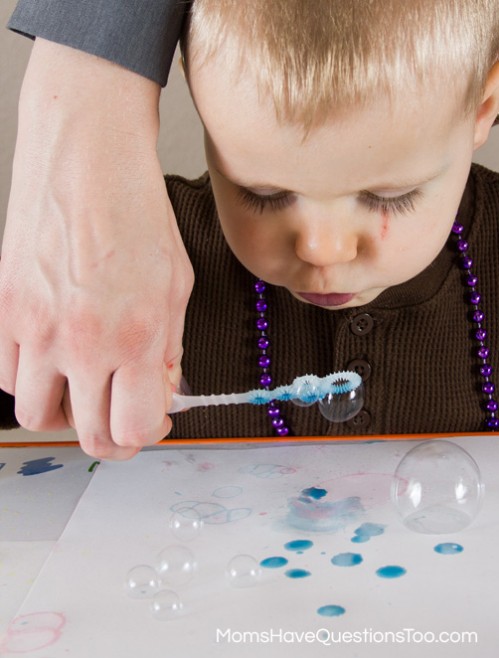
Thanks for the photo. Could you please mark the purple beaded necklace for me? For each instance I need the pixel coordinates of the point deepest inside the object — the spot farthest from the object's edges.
(477, 317)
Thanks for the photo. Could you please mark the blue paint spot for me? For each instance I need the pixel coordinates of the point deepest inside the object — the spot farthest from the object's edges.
(297, 573)
(314, 492)
(2, 465)
(299, 545)
(448, 548)
(273, 562)
(391, 571)
(331, 610)
(346, 559)
(366, 531)
(37, 466)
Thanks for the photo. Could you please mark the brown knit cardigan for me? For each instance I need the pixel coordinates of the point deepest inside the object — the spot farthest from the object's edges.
(413, 344)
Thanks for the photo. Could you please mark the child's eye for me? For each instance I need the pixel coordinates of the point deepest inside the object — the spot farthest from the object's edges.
(261, 202)
(398, 205)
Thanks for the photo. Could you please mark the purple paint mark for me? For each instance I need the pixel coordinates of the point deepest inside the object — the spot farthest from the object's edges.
(32, 632)
(38, 466)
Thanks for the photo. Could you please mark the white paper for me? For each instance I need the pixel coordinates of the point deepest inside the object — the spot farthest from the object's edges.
(249, 498)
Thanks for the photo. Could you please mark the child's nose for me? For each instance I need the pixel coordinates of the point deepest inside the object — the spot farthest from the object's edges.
(326, 245)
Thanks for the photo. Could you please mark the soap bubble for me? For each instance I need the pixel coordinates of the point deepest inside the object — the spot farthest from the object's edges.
(437, 488)
(166, 604)
(142, 582)
(186, 524)
(339, 407)
(175, 565)
(306, 391)
(243, 571)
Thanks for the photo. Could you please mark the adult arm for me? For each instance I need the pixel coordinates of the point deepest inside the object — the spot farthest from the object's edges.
(94, 279)
(140, 35)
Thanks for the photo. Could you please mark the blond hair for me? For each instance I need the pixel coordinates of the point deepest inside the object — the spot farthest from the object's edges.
(318, 57)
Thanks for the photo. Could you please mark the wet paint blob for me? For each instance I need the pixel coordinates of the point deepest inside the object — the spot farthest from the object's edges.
(367, 530)
(448, 548)
(391, 571)
(274, 562)
(314, 492)
(299, 545)
(346, 559)
(331, 610)
(297, 573)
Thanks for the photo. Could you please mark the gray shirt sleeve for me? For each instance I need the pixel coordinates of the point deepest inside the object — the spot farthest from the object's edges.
(140, 35)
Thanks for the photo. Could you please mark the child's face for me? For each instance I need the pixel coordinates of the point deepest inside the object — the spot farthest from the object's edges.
(361, 205)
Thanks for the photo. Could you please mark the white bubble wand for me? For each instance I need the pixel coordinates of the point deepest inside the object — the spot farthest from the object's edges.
(340, 395)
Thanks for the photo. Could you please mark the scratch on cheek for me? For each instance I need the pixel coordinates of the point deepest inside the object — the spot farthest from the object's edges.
(384, 223)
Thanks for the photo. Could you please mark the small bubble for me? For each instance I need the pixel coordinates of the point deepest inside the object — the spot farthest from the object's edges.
(166, 605)
(142, 582)
(243, 571)
(175, 565)
(186, 524)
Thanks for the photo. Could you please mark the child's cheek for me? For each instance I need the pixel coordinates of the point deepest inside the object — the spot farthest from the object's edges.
(385, 218)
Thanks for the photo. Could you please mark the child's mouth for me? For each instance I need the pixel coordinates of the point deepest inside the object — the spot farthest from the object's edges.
(330, 299)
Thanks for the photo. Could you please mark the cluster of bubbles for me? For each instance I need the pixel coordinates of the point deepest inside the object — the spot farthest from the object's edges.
(176, 565)
(437, 488)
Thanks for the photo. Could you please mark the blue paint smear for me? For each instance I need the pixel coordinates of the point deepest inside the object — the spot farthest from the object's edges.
(449, 548)
(273, 562)
(2, 465)
(297, 573)
(366, 531)
(37, 466)
(331, 610)
(391, 571)
(346, 559)
(308, 514)
(314, 492)
(299, 545)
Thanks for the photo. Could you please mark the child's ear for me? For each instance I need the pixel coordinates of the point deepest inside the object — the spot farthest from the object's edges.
(488, 109)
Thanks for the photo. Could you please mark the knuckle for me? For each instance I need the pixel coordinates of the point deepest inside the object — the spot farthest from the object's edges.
(29, 420)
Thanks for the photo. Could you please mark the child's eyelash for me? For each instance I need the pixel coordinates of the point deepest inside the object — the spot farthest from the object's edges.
(396, 205)
(259, 202)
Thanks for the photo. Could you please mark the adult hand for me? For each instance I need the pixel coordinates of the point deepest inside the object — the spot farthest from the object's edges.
(94, 278)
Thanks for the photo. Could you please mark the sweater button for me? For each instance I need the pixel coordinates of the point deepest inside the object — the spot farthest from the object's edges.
(361, 367)
(361, 421)
(362, 324)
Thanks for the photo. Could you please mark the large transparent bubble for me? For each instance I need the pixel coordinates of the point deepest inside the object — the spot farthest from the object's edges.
(437, 488)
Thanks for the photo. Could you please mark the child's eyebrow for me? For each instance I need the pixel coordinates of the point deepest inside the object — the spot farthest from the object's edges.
(246, 184)
(393, 184)
(401, 183)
